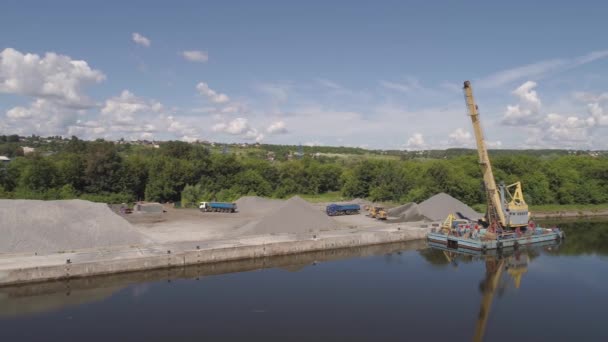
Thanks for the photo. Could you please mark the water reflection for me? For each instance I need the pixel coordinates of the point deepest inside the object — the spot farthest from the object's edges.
(503, 268)
(51, 296)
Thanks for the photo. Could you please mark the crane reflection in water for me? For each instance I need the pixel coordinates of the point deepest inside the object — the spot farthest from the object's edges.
(513, 263)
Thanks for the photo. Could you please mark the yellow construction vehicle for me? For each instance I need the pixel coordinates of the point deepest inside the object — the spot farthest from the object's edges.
(378, 213)
(506, 205)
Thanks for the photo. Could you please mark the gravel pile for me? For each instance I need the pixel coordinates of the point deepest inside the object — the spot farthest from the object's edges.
(56, 226)
(256, 205)
(409, 212)
(294, 216)
(438, 207)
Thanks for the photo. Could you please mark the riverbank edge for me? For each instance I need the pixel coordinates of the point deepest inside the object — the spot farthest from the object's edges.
(568, 214)
(30, 268)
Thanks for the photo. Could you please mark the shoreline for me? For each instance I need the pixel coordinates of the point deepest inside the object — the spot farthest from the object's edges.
(569, 214)
(34, 268)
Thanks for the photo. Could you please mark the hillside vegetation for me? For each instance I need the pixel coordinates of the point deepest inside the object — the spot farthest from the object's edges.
(178, 171)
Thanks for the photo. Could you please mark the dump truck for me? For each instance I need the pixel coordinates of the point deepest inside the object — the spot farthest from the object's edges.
(342, 209)
(222, 207)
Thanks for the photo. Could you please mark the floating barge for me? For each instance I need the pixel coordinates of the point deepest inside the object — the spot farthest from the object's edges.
(481, 240)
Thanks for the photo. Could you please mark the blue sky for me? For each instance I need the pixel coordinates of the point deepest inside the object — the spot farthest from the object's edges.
(380, 74)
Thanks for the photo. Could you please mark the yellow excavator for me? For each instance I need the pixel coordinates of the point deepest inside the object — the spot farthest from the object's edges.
(506, 205)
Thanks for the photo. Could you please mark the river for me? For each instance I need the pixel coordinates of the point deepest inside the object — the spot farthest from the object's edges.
(394, 292)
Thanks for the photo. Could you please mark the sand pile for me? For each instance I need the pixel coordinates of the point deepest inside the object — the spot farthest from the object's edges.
(256, 205)
(54, 226)
(438, 207)
(408, 212)
(294, 216)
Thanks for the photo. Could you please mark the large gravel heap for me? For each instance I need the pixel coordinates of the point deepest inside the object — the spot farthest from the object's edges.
(438, 207)
(408, 212)
(56, 226)
(256, 205)
(294, 216)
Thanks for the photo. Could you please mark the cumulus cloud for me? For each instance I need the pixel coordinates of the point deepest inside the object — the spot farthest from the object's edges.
(53, 77)
(527, 111)
(123, 108)
(140, 39)
(239, 127)
(277, 127)
(598, 116)
(460, 137)
(41, 117)
(416, 141)
(212, 95)
(133, 117)
(195, 56)
(565, 129)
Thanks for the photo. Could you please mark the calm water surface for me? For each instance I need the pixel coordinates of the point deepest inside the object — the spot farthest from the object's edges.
(383, 293)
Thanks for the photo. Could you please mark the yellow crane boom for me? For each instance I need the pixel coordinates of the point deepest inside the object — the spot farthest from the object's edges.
(505, 208)
(493, 197)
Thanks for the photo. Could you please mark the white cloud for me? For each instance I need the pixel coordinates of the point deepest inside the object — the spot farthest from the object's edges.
(278, 91)
(565, 129)
(494, 144)
(140, 40)
(122, 109)
(277, 127)
(416, 141)
(410, 84)
(539, 69)
(41, 117)
(527, 94)
(53, 77)
(236, 126)
(329, 84)
(239, 127)
(195, 56)
(461, 138)
(590, 97)
(212, 95)
(598, 116)
(527, 111)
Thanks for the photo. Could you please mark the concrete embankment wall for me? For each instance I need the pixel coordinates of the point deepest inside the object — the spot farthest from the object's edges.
(27, 268)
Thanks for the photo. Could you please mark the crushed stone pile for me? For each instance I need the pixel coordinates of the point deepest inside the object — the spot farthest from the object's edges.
(357, 200)
(409, 212)
(294, 216)
(256, 204)
(57, 226)
(438, 207)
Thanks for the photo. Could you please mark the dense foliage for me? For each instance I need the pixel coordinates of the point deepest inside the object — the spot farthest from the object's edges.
(177, 171)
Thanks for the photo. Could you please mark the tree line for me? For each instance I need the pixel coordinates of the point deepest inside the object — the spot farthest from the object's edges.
(177, 171)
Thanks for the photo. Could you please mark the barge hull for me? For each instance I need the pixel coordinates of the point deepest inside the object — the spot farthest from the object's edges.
(456, 242)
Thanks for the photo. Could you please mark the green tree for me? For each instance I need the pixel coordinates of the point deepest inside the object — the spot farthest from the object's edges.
(102, 168)
(191, 195)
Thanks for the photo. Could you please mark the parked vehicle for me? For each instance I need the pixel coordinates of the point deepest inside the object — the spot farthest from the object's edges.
(378, 213)
(222, 207)
(342, 209)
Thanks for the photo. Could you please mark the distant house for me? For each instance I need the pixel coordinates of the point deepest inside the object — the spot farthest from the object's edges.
(28, 150)
(270, 156)
(5, 160)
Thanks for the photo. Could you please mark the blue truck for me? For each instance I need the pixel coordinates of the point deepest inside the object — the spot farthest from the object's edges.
(222, 207)
(342, 209)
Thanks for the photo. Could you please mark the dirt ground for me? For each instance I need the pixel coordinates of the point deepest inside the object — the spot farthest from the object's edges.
(191, 224)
